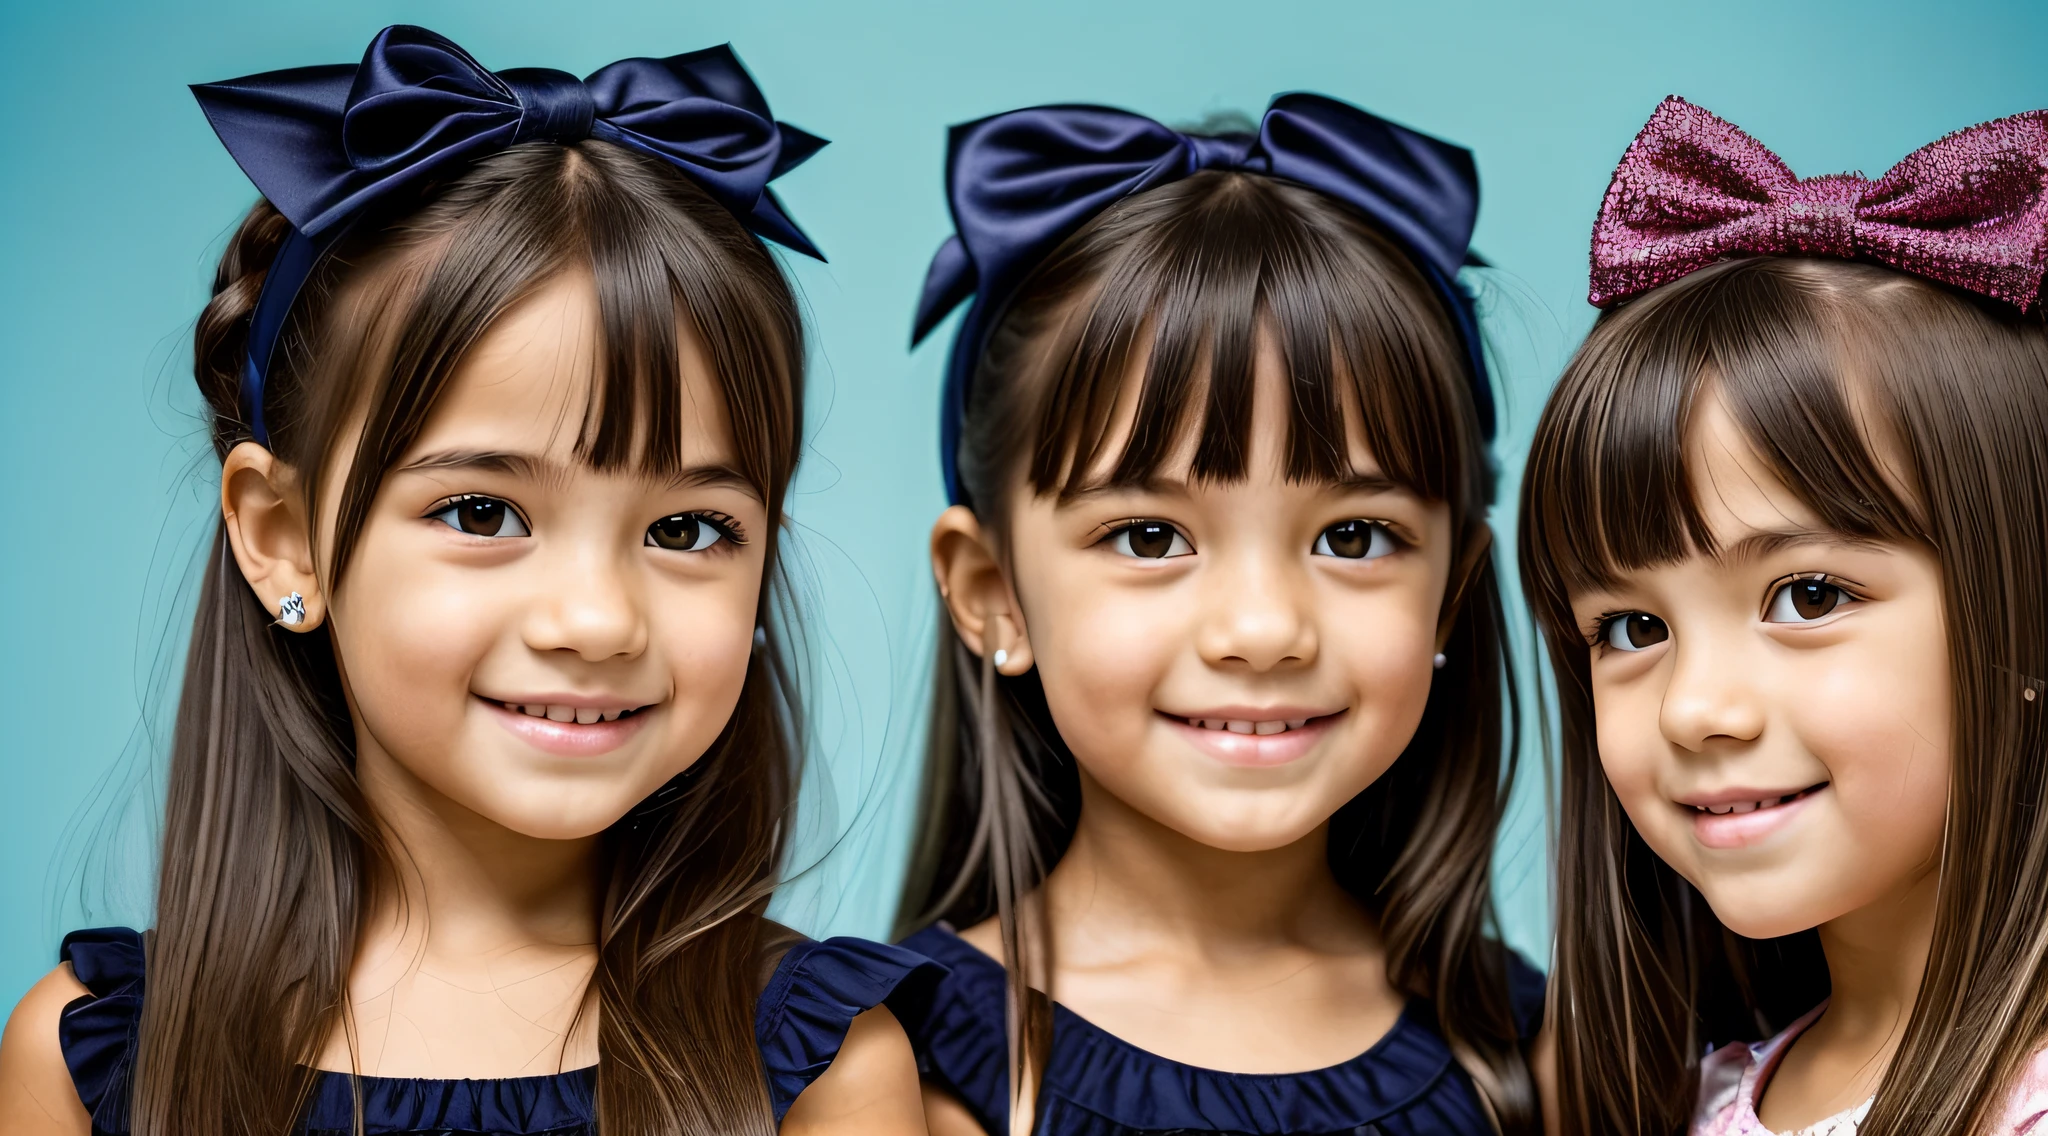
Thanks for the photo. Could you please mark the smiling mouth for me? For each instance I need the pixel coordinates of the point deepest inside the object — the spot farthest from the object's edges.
(568, 715)
(1737, 808)
(1247, 726)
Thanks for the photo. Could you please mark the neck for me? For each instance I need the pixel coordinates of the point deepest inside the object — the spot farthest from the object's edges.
(1129, 885)
(1876, 957)
(459, 885)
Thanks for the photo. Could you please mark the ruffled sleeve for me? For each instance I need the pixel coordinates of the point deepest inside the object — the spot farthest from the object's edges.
(98, 1032)
(817, 991)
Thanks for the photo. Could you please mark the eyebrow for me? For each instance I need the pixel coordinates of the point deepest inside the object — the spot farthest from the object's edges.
(533, 467)
(1758, 545)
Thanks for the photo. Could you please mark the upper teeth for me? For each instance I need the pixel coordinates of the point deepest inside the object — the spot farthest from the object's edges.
(1745, 806)
(1241, 726)
(581, 715)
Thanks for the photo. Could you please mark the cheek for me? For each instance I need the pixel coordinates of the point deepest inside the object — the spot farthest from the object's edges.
(1101, 653)
(410, 642)
(1632, 754)
(706, 634)
(1882, 731)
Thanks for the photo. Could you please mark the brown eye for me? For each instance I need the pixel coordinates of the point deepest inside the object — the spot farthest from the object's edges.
(482, 516)
(1150, 540)
(684, 532)
(1634, 631)
(1803, 601)
(1355, 540)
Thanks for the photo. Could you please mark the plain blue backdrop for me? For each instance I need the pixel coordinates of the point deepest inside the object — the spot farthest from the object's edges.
(115, 199)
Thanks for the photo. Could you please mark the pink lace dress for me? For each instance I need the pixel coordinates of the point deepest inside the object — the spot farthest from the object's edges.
(1732, 1080)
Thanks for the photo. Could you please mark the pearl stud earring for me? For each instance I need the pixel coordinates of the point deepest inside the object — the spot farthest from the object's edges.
(291, 610)
(1002, 657)
(1438, 662)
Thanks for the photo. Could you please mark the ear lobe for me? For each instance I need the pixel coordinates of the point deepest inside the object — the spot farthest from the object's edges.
(267, 527)
(1478, 545)
(975, 591)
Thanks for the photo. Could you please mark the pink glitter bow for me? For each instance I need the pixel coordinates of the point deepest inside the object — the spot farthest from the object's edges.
(1970, 210)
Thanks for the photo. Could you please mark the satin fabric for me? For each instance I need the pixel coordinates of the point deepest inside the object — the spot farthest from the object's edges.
(1097, 1084)
(325, 144)
(800, 1022)
(1020, 183)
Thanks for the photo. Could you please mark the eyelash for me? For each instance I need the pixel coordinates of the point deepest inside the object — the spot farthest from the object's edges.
(728, 527)
(1116, 529)
(1603, 624)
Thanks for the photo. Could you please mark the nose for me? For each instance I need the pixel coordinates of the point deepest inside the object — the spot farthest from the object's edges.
(587, 604)
(1257, 614)
(1710, 695)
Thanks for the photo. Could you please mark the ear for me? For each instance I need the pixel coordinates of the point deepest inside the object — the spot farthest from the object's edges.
(976, 592)
(271, 535)
(1471, 558)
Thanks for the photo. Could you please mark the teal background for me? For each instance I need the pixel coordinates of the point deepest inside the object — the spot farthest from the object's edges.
(115, 199)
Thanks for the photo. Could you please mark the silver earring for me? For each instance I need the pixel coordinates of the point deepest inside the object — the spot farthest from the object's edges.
(1438, 662)
(291, 610)
(1002, 657)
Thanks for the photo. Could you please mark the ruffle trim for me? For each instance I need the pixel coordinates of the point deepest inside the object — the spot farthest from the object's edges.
(817, 991)
(961, 1043)
(800, 1023)
(98, 1033)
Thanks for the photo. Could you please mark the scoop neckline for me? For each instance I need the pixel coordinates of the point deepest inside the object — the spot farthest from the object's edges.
(1403, 1023)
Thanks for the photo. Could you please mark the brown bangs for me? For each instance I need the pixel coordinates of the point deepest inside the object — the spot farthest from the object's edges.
(1178, 285)
(662, 257)
(1606, 490)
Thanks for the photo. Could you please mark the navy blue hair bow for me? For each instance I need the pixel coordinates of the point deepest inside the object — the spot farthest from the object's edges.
(1022, 182)
(325, 144)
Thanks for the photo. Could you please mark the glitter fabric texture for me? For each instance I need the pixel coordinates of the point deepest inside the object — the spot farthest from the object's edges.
(1970, 210)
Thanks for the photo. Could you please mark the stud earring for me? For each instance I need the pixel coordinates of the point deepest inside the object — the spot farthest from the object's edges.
(291, 610)
(1002, 657)
(1438, 662)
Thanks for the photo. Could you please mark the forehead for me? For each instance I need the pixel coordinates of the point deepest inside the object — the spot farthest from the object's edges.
(1735, 488)
(532, 383)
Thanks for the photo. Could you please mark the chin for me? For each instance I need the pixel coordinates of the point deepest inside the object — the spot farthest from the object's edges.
(1751, 917)
(544, 818)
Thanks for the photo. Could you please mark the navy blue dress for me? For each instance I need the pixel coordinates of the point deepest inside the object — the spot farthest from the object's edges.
(810, 1002)
(1407, 1084)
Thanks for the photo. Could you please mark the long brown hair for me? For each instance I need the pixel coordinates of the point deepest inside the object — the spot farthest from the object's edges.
(1185, 278)
(1835, 372)
(269, 849)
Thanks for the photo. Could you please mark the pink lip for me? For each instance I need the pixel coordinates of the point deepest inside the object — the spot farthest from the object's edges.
(1255, 751)
(1740, 830)
(568, 739)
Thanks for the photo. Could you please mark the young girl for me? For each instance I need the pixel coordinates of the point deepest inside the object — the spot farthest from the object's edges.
(1785, 525)
(484, 754)
(1216, 758)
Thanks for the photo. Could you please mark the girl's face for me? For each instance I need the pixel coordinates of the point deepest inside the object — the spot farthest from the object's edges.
(528, 639)
(1775, 719)
(1234, 660)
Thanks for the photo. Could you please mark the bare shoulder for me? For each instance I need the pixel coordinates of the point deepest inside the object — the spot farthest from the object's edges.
(871, 1088)
(944, 1115)
(37, 1097)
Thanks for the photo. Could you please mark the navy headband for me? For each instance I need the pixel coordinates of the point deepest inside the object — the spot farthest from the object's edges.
(1022, 182)
(327, 144)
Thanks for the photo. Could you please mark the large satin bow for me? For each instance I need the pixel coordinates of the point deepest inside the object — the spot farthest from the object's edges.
(1970, 210)
(323, 143)
(1022, 182)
